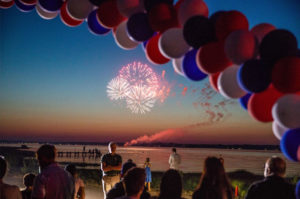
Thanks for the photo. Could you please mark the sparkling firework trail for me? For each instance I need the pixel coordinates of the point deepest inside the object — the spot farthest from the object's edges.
(141, 99)
(118, 88)
(140, 86)
(139, 74)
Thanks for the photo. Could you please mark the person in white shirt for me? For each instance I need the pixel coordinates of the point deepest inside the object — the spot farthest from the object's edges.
(53, 181)
(7, 191)
(174, 160)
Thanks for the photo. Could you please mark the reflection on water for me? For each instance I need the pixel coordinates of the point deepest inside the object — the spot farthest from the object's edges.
(192, 158)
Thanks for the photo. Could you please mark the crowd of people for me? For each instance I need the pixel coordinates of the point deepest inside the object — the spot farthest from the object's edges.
(127, 181)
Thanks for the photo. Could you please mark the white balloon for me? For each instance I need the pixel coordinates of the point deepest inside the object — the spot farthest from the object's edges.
(172, 43)
(189, 8)
(79, 9)
(130, 7)
(177, 65)
(278, 130)
(44, 14)
(122, 39)
(286, 111)
(228, 83)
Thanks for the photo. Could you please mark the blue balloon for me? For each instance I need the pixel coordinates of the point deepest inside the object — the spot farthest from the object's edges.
(24, 8)
(190, 67)
(51, 5)
(138, 27)
(290, 144)
(244, 101)
(254, 76)
(298, 190)
(94, 25)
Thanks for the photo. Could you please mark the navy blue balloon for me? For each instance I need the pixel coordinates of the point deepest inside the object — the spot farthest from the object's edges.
(244, 101)
(298, 190)
(198, 31)
(138, 27)
(254, 76)
(23, 7)
(94, 25)
(290, 144)
(51, 5)
(190, 67)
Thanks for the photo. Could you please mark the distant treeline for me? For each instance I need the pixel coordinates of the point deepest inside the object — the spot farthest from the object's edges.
(160, 144)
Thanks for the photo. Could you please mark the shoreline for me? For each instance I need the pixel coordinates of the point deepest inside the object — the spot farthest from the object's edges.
(263, 147)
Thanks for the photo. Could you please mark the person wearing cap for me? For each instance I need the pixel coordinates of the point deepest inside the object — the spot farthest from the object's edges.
(111, 164)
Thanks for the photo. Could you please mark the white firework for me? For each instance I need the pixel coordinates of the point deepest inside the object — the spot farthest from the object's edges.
(118, 88)
(141, 99)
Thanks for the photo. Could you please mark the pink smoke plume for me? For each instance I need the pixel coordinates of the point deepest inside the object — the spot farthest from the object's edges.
(213, 111)
(168, 135)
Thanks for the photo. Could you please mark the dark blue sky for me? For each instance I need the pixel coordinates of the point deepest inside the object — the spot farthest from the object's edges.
(53, 80)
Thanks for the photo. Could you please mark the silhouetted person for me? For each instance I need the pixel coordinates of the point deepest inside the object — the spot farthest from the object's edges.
(119, 189)
(214, 183)
(79, 185)
(273, 186)
(28, 182)
(7, 191)
(111, 164)
(171, 185)
(174, 160)
(52, 181)
(134, 181)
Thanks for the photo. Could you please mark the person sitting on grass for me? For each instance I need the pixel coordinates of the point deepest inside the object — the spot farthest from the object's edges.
(214, 183)
(119, 189)
(171, 185)
(134, 181)
(7, 191)
(79, 184)
(273, 186)
(28, 182)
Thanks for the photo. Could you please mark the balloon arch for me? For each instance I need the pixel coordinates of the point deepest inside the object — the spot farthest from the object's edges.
(260, 66)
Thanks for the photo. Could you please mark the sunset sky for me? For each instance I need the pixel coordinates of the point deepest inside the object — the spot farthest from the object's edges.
(53, 82)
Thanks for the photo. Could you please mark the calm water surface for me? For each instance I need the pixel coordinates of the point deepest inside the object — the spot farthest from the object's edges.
(192, 159)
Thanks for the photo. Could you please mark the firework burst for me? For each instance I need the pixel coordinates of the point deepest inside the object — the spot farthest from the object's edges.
(141, 99)
(118, 88)
(140, 86)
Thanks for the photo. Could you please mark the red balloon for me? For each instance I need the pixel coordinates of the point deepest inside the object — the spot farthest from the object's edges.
(260, 104)
(229, 22)
(4, 4)
(66, 18)
(211, 58)
(109, 15)
(286, 75)
(29, 2)
(152, 51)
(213, 80)
(177, 5)
(162, 17)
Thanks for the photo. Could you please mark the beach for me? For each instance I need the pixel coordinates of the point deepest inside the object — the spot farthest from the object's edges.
(242, 166)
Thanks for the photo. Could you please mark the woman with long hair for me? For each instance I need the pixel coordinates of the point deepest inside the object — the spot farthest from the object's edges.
(171, 185)
(214, 183)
